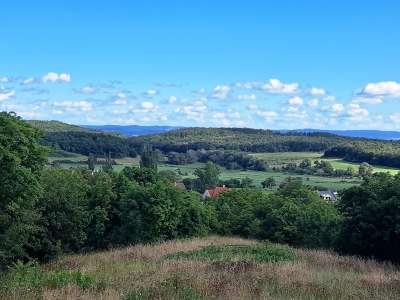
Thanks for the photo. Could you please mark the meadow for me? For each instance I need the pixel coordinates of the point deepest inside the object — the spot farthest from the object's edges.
(186, 171)
(204, 268)
(280, 158)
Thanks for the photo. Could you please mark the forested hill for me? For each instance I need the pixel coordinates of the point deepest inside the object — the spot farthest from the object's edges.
(378, 152)
(243, 139)
(85, 141)
(57, 126)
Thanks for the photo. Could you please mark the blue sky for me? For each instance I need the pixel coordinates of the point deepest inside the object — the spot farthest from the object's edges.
(262, 64)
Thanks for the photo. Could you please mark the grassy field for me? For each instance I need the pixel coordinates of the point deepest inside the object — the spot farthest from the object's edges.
(280, 158)
(186, 171)
(204, 268)
(259, 176)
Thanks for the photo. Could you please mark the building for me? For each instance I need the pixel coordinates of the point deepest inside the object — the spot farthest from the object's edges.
(215, 192)
(328, 195)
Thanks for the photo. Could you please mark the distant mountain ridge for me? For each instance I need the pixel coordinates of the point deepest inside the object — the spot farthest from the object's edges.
(131, 130)
(369, 134)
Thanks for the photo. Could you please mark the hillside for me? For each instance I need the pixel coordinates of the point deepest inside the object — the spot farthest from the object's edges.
(131, 130)
(57, 126)
(205, 268)
(368, 134)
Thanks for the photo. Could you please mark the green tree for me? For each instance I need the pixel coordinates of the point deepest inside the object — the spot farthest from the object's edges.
(268, 183)
(21, 160)
(64, 212)
(372, 218)
(365, 170)
(207, 177)
(148, 157)
(100, 195)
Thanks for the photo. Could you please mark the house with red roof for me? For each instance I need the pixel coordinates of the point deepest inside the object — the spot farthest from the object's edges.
(215, 192)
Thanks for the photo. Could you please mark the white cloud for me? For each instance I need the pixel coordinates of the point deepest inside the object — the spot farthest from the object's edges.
(4, 79)
(80, 105)
(172, 99)
(55, 77)
(337, 108)
(249, 85)
(120, 101)
(221, 92)
(29, 81)
(383, 89)
(268, 116)
(87, 90)
(296, 101)
(368, 100)
(247, 97)
(6, 95)
(151, 93)
(275, 86)
(313, 103)
(355, 110)
(252, 107)
(317, 91)
(148, 105)
(57, 112)
(395, 118)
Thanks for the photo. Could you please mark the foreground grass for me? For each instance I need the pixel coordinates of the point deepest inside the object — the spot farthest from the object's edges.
(204, 268)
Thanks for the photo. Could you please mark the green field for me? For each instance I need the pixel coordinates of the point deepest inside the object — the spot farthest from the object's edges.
(280, 158)
(259, 176)
(186, 171)
(273, 159)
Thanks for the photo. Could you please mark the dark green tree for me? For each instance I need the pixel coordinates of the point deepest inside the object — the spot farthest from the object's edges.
(372, 218)
(207, 177)
(268, 183)
(21, 160)
(148, 157)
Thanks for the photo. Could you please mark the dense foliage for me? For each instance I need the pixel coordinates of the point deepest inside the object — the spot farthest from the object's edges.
(21, 160)
(372, 218)
(86, 143)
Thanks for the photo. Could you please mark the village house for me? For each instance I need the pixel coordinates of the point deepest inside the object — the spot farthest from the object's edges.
(215, 192)
(328, 195)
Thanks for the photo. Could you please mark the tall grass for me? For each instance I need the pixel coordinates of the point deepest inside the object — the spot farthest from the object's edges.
(205, 268)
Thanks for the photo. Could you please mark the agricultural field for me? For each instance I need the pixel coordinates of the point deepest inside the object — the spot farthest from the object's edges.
(333, 183)
(204, 268)
(280, 158)
(186, 171)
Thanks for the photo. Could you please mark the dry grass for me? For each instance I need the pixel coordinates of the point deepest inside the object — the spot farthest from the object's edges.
(142, 272)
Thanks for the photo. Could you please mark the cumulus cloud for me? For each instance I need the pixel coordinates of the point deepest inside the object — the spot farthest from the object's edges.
(4, 79)
(75, 105)
(382, 89)
(221, 92)
(29, 80)
(6, 95)
(355, 110)
(247, 97)
(368, 100)
(151, 93)
(296, 101)
(317, 91)
(275, 86)
(337, 108)
(313, 103)
(395, 118)
(55, 77)
(148, 105)
(87, 90)
(172, 99)
(267, 115)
